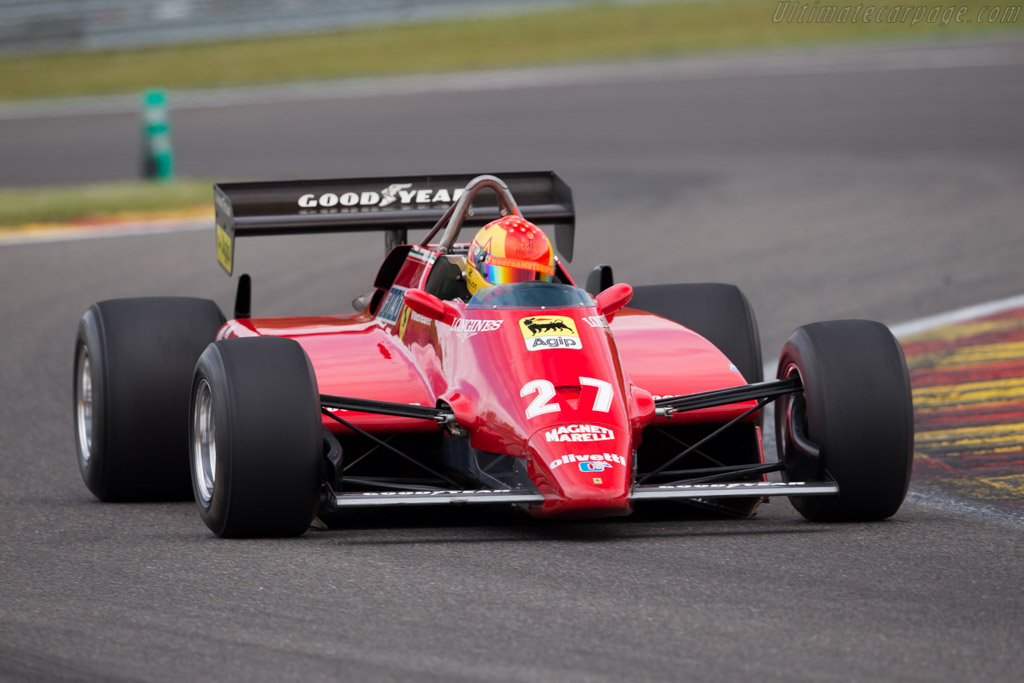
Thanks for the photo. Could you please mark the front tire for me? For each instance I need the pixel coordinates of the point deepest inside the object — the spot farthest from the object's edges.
(857, 409)
(256, 438)
(132, 373)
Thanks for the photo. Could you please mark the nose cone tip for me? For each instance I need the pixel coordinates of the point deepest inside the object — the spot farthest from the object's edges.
(583, 478)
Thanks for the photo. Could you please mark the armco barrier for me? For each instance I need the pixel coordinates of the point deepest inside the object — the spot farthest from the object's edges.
(34, 26)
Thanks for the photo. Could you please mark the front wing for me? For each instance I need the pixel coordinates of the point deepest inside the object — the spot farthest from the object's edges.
(337, 501)
(706, 484)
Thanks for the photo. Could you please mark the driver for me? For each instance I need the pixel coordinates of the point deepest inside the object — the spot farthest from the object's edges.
(509, 250)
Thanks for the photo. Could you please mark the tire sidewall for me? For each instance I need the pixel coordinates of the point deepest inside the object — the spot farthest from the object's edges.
(210, 367)
(90, 335)
(798, 353)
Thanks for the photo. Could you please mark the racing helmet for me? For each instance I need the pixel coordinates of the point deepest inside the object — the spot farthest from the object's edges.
(509, 250)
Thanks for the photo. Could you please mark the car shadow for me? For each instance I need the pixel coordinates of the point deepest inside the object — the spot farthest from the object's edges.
(494, 525)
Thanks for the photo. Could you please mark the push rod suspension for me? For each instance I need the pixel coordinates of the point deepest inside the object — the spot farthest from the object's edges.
(363, 405)
(723, 397)
(388, 446)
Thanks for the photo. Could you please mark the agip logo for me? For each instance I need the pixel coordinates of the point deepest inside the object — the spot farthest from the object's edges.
(550, 332)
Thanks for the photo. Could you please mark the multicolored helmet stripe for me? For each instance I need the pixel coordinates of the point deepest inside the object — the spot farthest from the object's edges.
(507, 251)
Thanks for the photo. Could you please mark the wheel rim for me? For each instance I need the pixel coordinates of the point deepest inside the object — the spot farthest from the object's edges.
(801, 463)
(83, 404)
(788, 404)
(204, 442)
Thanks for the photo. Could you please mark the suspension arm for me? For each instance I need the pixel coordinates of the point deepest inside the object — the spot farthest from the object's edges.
(363, 405)
(665, 407)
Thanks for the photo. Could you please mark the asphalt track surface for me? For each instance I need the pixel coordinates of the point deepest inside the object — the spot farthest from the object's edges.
(864, 191)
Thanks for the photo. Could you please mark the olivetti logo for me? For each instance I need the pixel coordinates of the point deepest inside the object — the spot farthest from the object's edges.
(606, 460)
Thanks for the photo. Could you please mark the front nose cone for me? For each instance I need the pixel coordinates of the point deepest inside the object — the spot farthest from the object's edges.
(582, 470)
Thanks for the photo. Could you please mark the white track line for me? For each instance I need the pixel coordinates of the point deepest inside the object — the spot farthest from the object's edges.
(757, 65)
(49, 235)
(959, 315)
(921, 495)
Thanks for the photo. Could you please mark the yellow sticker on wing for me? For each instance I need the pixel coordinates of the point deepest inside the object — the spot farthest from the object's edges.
(225, 255)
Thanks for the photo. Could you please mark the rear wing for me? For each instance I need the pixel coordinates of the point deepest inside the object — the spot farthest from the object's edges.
(389, 204)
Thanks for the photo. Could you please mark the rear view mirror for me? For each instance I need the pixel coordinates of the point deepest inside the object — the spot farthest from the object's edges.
(430, 306)
(612, 299)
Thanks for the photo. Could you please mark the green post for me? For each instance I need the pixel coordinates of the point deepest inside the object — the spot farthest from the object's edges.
(157, 152)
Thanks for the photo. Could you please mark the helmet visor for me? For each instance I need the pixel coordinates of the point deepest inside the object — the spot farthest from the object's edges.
(499, 270)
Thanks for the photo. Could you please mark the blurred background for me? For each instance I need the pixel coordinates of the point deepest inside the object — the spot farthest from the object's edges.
(835, 160)
(105, 24)
(872, 159)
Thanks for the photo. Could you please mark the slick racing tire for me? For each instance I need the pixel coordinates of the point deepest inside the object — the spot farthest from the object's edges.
(718, 312)
(132, 372)
(256, 438)
(856, 408)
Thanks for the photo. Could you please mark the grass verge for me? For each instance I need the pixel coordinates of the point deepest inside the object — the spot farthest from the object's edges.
(590, 33)
(20, 207)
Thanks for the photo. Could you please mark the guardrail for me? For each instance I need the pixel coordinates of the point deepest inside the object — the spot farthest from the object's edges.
(34, 26)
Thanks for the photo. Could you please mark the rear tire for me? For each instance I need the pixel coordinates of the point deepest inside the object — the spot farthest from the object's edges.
(256, 438)
(133, 368)
(718, 312)
(857, 409)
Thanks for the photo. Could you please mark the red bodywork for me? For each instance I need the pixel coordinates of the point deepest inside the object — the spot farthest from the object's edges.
(588, 405)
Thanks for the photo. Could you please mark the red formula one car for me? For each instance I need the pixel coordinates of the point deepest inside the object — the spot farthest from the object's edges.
(562, 401)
